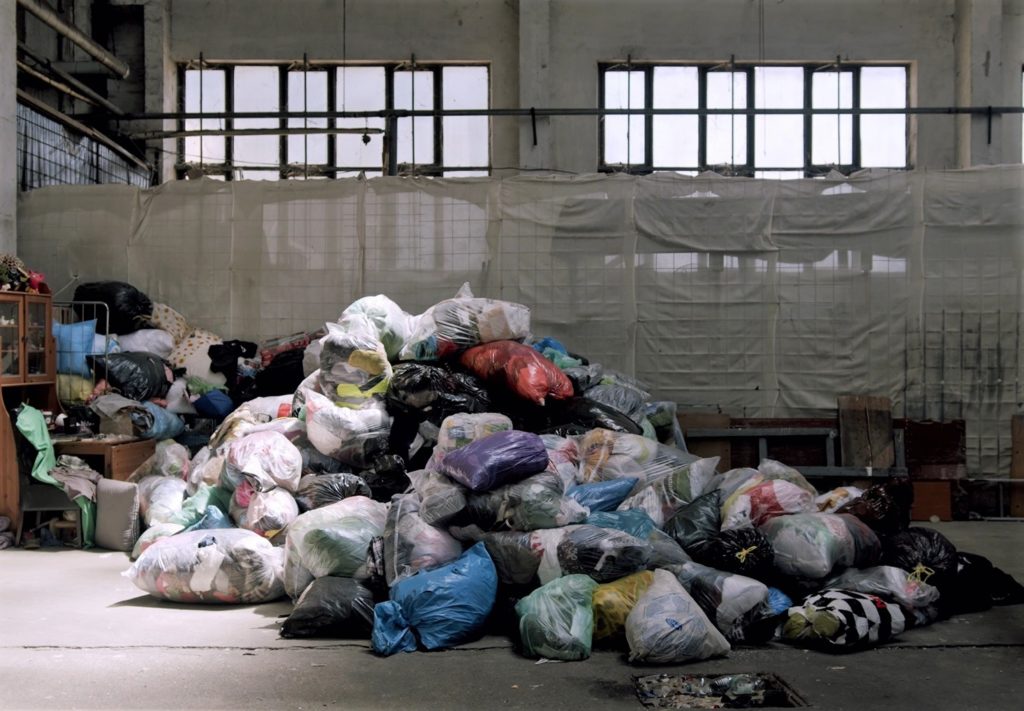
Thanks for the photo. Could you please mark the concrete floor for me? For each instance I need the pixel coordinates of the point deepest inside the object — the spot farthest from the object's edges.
(75, 634)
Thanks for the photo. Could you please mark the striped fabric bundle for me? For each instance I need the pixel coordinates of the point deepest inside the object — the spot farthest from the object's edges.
(841, 619)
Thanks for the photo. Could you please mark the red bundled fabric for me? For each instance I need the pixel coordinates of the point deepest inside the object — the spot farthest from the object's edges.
(526, 372)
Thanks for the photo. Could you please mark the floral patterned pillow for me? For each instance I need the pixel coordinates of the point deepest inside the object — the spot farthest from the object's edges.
(192, 354)
(167, 319)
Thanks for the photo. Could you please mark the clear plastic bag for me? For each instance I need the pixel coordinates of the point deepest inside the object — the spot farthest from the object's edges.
(696, 521)
(602, 553)
(411, 544)
(168, 459)
(535, 502)
(668, 627)
(263, 512)
(160, 499)
(219, 566)
(556, 621)
(753, 504)
(812, 545)
(355, 437)
(354, 366)
(563, 458)
(265, 459)
(440, 497)
(607, 455)
(889, 583)
(461, 429)
(614, 601)
(464, 321)
(392, 325)
(331, 540)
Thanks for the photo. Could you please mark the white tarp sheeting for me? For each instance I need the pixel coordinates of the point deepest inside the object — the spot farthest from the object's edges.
(762, 298)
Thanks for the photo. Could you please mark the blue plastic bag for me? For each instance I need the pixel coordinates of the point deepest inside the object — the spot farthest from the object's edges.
(778, 602)
(215, 404)
(445, 606)
(159, 424)
(603, 495)
(633, 521)
(213, 517)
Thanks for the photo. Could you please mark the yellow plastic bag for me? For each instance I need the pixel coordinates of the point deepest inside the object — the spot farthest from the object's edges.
(613, 602)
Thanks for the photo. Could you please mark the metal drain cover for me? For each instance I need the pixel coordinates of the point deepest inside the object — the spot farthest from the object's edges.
(743, 690)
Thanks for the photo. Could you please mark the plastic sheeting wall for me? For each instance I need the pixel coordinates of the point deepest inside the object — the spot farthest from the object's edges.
(761, 298)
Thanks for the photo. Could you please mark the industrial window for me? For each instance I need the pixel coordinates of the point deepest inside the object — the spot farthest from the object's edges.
(784, 141)
(317, 144)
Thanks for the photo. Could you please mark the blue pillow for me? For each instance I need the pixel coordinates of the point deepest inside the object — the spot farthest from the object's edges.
(74, 343)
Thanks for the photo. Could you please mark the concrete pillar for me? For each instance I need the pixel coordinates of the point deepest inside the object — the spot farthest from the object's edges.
(160, 81)
(8, 128)
(979, 82)
(534, 81)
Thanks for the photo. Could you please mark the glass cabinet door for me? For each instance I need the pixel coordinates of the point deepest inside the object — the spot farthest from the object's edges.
(36, 313)
(10, 345)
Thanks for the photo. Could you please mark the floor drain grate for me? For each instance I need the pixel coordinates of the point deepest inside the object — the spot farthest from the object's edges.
(747, 690)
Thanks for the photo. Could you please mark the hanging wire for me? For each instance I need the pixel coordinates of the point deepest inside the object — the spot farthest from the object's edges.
(412, 61)
(202, 139)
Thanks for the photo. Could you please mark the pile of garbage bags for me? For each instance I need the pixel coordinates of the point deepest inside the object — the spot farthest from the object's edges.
(446, 474)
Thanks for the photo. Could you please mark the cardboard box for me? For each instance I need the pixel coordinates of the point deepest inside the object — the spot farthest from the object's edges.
(932, 498)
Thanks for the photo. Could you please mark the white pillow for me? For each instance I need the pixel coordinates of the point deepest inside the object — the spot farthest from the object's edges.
(149, 340)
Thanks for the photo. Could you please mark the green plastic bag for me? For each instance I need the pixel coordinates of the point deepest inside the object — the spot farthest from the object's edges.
(556, 621)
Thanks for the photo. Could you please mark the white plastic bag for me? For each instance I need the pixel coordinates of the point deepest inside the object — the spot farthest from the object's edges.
(352, 436)
(267, 459)
(668, 627)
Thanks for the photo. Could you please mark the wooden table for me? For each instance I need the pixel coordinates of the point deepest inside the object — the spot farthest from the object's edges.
(120, 455)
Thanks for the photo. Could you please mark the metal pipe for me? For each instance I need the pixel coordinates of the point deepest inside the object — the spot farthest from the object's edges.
(104, 57)
(96, 98)
(157, 135)
(408, 113)
(59, 86)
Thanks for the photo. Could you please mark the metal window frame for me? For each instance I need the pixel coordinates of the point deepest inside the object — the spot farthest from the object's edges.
(749, 169)
(332, 169)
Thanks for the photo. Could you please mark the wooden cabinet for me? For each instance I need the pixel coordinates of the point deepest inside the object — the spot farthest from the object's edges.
(28, 367)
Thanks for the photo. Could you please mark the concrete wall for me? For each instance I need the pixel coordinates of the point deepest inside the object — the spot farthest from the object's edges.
(8, 128)
(545, 53)
(453, 30)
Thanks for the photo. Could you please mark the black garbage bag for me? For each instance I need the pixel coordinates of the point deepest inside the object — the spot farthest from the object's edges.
(317, 490)
(696, 522)
(621, 397)
(386, 477)
(569, 417)
(738, 550)
(885, 508)
(924, 553)
(331, 607)
(129, 308)
(137, 375)
(433, 392)
(977, 586)
(282, 376)
(604, 554)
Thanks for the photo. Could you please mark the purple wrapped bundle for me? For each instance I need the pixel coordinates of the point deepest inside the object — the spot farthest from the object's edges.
(495, 460)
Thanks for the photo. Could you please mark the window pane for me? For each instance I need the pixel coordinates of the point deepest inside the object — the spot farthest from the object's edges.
(204, 91)
(832, 136)
(415, 136)
(624, 135)
(675, 137)
(361, 89)
(307, 91)
(256, 89)
(779, 174)
(727, 135)
(258, 175)
(466, 138)
(883, 136)
(779, 139)
(465, 173)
